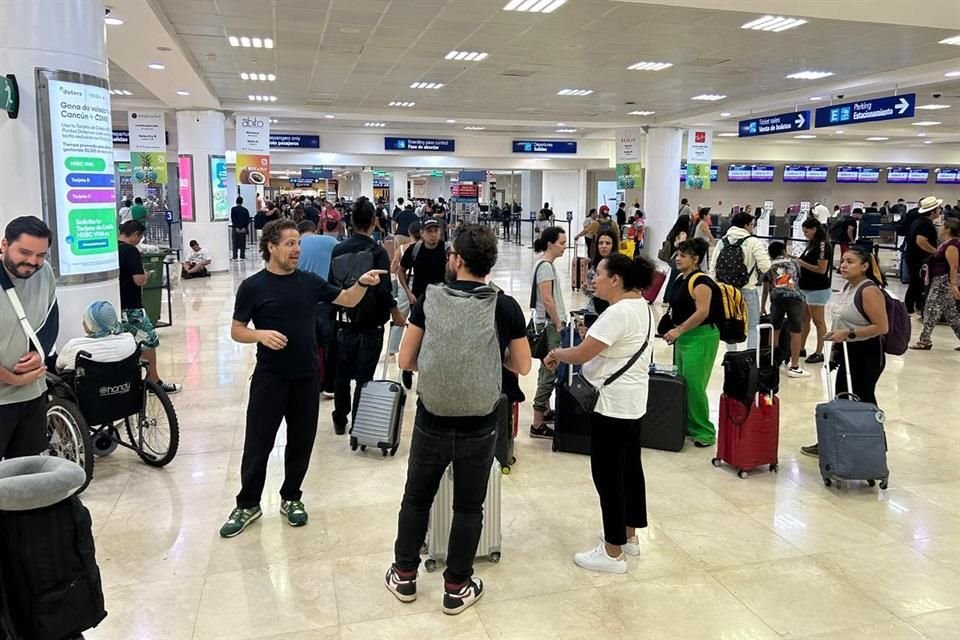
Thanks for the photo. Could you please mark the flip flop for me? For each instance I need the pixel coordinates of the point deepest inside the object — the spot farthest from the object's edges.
(922, 346)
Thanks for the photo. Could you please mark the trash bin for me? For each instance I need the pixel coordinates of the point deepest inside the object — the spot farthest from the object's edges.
(153, 268)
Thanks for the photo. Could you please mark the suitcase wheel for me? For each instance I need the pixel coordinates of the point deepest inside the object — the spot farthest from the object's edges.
(385, 452)
(495, 556)
(827, 482)
(353, 444)
(363, 447)
(393, 451)
(430, 565)
(514, 460)
(715, 462)
(872, 483)
(743, 474)
(883, 484)
(774, 468)
(505, 470)
(554, 446)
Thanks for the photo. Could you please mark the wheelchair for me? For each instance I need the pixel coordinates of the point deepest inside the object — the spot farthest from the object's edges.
(88, 407)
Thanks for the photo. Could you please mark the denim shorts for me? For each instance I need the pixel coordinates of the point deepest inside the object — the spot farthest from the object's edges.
(817, 297)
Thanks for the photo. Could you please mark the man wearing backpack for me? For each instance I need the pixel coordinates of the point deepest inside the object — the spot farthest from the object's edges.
(741, 261)
(460, 338)
(360, 329)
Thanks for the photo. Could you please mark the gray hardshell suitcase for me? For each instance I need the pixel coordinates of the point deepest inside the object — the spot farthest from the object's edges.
(850, 436)
(441, 517)
(377, 420)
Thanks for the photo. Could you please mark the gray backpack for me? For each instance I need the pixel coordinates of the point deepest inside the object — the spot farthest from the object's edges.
(460, 363)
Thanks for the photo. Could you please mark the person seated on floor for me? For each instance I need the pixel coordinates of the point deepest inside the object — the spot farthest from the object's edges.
(105, 339)
(195, 266)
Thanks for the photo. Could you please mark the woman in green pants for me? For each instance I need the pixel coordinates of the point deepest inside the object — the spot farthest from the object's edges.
(694, 335)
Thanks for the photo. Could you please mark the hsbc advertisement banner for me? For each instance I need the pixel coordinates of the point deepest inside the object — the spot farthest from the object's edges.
(253, 149)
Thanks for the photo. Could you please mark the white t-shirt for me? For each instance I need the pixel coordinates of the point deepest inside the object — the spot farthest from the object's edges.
(821, 213)
(197, 257)
(106, 349)
(624, 327)
(125, 214)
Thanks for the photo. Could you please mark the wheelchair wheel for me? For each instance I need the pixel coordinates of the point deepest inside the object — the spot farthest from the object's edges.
(155, 431)
(68, 436)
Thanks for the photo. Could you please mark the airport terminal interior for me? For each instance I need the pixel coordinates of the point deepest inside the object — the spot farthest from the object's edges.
(495, 107)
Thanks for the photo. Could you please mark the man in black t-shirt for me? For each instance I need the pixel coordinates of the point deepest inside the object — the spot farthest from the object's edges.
(240, 221)
(428, 260)
(850, 230)
(465, 442)
(921, 243)
(281, 302)
(402, 220)
(134, 318)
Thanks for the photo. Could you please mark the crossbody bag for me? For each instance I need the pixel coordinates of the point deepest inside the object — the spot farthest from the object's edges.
(537, 336)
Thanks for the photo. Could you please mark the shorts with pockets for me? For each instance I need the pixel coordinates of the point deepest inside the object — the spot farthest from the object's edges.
(792, 309)
(137, 323)
(817, 297)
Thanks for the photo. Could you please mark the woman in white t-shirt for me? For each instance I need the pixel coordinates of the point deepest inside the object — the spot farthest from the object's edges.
(622, 331)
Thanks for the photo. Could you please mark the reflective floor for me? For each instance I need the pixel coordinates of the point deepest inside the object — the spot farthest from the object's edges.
(772, 556)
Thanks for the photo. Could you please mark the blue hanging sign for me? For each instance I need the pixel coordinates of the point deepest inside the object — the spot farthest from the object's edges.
(317, 174)
(301, 182)
(447, 145)
(293, 141)
(782, 123)
(544, 146)
(870, 110)
(472, 176)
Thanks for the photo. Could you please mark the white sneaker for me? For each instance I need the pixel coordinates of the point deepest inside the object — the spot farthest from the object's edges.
(797, 372)
(328, 394)
(631, 548)
(598, 560)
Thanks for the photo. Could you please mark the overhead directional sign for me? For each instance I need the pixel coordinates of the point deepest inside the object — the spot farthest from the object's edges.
(782, 123)
(871, 110)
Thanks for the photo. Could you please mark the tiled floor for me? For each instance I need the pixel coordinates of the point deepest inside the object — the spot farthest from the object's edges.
(773, 556)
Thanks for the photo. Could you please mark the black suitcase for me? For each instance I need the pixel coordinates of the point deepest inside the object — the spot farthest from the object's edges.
(664, 426)
(506, 433)
(571, 425)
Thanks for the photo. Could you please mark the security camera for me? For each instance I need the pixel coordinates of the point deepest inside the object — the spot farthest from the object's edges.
(936, 95)
(840, 96)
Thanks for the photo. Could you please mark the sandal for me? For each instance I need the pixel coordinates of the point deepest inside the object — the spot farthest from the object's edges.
(922, 346)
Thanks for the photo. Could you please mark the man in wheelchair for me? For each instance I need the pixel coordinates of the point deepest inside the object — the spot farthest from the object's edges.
(105, 340)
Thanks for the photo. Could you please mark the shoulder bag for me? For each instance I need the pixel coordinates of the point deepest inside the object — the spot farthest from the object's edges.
(586, 395)
(537, 336)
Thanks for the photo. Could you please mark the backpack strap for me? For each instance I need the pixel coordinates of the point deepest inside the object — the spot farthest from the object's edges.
(691, 283)
(858, 298)
(22, 317)
(533, 285)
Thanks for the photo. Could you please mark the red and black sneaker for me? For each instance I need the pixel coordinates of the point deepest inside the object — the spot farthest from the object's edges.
(456, 598)
(402, 584)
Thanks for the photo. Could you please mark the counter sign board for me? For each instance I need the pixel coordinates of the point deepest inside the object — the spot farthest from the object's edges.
(782, 123)
(870, 110)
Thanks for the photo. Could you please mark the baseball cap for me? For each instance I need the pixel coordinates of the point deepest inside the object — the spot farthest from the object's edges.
(428, 223)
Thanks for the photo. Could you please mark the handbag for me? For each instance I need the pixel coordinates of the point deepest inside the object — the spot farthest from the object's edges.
(665, 252)
(537, 336)
(586, 395)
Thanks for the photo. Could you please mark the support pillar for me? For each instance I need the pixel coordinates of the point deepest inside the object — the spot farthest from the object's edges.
(661, 189)
(366, 183)
(398, 187)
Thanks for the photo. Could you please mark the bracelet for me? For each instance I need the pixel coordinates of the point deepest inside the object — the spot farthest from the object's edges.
(365, 286)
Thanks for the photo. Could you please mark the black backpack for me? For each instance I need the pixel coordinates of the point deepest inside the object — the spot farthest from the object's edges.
(838, 232)
(345, 270)
(731, 265)
(50, 580)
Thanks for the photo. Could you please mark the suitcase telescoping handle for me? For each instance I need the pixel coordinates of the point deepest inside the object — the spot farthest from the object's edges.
(760, 328)
(387, 352)
(827, 377)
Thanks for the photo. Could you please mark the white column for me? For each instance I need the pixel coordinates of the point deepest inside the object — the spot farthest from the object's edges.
(531, 191)
(366, 183)
(398, 184)
(661, 189)
(72, 41)
(201, 134)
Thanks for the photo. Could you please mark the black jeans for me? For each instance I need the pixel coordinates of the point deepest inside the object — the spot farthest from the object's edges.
(23, 427)
(358, 352)
(913, 298)
(432, 450)
(618, 475)
(867, 362)
(273, 398)
(327, 342)
(239, 244)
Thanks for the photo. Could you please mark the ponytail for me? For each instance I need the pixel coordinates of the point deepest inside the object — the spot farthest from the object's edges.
(636, 274)
(547, 236)
(873, 271)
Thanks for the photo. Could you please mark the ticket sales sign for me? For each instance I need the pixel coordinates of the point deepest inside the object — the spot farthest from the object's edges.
(782, 123)
(870, 110)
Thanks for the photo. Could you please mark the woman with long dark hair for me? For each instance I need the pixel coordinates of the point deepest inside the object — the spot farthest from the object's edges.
(860, 320)
(815, 284)
(549, 313)
(677, 234)
(606, 247)
(622, 331)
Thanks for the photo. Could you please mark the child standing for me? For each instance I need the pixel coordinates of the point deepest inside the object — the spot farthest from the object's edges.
(781, 282)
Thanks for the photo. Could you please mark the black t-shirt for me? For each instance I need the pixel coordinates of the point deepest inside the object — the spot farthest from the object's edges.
(286, 304)
(921, 227)
(312, 214)
(849, 223)
(131, 294)
(240, 217)
(511, 325)
(682, 304)
(429, 267)
(813, 254)
(404, 219)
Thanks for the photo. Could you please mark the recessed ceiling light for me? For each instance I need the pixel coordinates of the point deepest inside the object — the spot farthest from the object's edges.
(926, 123)
(246, 42)
(574, 92)
(262, 98)
(474, 128)
(954, 40)
(274, 121)
(374, 124)
(113, 21)
(650, 66)
(839, 131)
(234, 41)
(566, 130)
(534, 6)
(709, 97)
(401, 104)
(350, 30)
(810, 75)
(921, 135)
(426, 85)
(816, 99)
(725, 114)
(451, 122)
(928, 142)
(641, 113)
(466, 56)
(877, 139)
(329, 116)
(952, 74)
(934, 107)
(156, 66)
(805, 136)
(728, 135)
(183, 92)
(773, 23)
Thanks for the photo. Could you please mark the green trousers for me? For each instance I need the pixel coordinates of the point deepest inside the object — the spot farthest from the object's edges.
(694, 354)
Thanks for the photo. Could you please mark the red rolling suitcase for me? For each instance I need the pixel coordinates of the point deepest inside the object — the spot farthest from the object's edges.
(650, 293)
(749, 434)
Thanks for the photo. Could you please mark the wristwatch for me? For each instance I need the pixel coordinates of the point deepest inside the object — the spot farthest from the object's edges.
(852, 335)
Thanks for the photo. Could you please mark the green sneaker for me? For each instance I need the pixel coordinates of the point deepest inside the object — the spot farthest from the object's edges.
(238, 521)
(295, 512)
